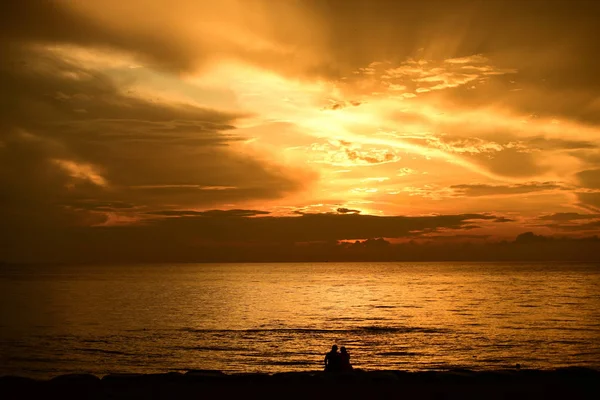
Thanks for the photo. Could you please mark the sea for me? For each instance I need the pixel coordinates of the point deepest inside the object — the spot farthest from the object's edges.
(237, 318)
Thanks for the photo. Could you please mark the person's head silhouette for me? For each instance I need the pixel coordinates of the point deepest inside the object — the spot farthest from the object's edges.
(343, 349)
(334, 348)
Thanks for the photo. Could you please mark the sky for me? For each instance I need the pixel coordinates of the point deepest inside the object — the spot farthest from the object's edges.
(154, 130)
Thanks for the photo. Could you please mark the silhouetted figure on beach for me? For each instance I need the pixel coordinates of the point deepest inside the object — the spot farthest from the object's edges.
(332, 360)
(345, 360)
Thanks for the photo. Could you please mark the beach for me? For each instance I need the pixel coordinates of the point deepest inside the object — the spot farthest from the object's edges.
(563, 383)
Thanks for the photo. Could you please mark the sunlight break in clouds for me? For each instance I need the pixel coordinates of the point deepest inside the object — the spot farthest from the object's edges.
(152, 112)
(84, 172)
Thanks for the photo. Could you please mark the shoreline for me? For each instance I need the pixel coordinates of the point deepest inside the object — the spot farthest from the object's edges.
(570, 382)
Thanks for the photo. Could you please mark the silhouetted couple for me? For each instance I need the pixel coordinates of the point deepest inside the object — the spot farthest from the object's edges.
(337, 362)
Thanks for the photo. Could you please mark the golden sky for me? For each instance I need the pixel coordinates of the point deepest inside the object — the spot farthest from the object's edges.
(232, 122)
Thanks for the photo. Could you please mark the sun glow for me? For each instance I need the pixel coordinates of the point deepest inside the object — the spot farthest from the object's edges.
(153, 112)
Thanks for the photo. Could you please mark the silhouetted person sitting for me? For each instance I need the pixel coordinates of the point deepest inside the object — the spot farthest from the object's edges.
(345, 360)
(332, 360)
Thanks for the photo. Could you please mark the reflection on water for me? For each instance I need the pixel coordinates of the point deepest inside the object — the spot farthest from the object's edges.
(284, 317)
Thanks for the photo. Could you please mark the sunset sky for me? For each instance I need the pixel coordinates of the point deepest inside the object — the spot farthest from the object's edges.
(153, 128)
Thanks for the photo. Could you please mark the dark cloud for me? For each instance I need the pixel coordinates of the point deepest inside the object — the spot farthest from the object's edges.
(526, 247)
(176, 213)
(511, 162)
(531, 94)
(457, 237)
(549, 44)
(116, 245)
(35, 190)
(314, 227)
(182, 238)
(530, 237)
(210, 213)
(589, 178)
(134, 157)
(95, 205)
(360, 30)
(560, 144)
(343, 210)
(337, 105)
(378, 243)
(39, 21)
(589, 201)
(572, 222)
(339, 35)
(568, 217)
(589, 226)
(478, 190)
(588, 156)
(66, 167)
(42, 90)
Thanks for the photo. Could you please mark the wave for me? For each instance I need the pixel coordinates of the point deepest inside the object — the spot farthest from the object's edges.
(404, 329)
(564, 328)
(398, 353)
(37, 359)
(205, 348)
(113, 352)
(291, 363)
(357, 330)
(95, 341)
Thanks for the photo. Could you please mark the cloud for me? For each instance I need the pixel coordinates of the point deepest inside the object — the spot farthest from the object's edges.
(81, 171)
(323, 39)
(59, 22)
(461, 145)
(377, 243)
(406, 171)
(589, 226)
(512, 163)
(476, 145)
(568, 217)
(525, 247)
(121, 113)
(474, 59)
(345, 154)
(338, 105)
(181, 234)
(235, 226)
(589, 201)
(93, 205)
(253, 32)
(479, 190)
(210, 213)
(343, 210)
(589, 178)
(433, 192)
(115, 244)
(572, 222)
(167, 187)
(560, 144)
(125, 149)
(413, 77)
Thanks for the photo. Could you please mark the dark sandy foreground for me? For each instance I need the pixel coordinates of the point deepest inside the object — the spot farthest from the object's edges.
(568, 383)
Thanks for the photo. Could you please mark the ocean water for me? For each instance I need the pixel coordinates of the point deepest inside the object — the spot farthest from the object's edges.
(285, 317)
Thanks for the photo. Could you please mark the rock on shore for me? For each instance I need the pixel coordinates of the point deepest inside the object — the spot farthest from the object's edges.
(565, 383)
